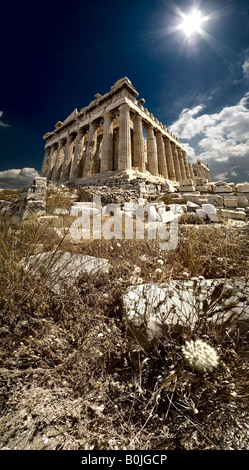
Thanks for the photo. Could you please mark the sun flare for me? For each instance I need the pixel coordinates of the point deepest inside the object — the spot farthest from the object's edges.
(192, 23)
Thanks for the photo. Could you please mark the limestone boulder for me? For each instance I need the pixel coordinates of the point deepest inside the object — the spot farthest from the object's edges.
(168, 187)
(229, 214)
(150, 309)
(230, 201)
(192, 206)
(201, 213)
(242, 187)
(222, 187)
(242, 201)
(63, 268)
(215, 199)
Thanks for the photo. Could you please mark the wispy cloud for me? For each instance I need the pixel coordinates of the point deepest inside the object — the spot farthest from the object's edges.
(17, 178)
(245, 68)
(3, 124)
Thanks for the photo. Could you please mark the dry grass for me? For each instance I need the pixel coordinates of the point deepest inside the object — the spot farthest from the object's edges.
(9, 194)
(68, 376)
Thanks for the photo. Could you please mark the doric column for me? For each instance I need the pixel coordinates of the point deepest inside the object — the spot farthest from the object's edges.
(58, 162)
(45, 161)
(138, 144)
(76, 171)
(162, 166)
(181, 162)
(184, 154)
(51, 161)
(91, 148)
(124, 146)
(115, 149)
(152, 164)
(106, 162)
(191, 170)
(176, 162)
(66, 165)
(169, 159)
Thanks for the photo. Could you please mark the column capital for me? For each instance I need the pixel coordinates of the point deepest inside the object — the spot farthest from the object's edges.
(124, 106)
(93, 124)
(110, 114)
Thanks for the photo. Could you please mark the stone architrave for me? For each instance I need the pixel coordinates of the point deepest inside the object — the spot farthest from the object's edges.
(138, 144)
(66, 165)
(45, 161)
(124, 146)
(152, 164)
(106, 163)
(51, 162)
(58, 162)
(78, 153)
(176, 162)
(181, 162)
(162, 166)
(169, 159)
(91, 148)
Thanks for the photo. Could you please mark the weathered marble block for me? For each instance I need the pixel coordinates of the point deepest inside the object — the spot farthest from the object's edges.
(149, 309)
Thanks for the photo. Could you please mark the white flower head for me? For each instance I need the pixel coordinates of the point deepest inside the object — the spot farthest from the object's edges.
(200, 356)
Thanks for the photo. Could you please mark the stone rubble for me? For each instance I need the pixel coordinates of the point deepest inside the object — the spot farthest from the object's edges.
(150, 308)
(63, 268)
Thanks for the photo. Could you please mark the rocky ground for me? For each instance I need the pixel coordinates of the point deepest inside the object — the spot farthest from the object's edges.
(72, 376)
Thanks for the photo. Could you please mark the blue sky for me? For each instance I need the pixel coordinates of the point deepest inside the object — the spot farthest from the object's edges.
(56, 56)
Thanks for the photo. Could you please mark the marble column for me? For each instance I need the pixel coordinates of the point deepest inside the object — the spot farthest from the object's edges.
(138, 144)
(176, 162)
(91, 148)
(51, 161)
(66, 165)
(115, 149)
(161, 156)
(76, 170)
(169, 159)
(106, 162)
(124, 146)
(181, 162)
(184, 154)
(191, 170)
(152, 163)
(45, 161)
(58, 162)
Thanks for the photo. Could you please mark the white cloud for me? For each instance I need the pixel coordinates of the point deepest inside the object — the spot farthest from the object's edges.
(245, 68)
(17, 178)
(2, 124)
(220, 138)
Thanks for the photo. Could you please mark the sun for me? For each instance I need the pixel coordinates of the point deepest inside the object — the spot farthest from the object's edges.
(192, 23)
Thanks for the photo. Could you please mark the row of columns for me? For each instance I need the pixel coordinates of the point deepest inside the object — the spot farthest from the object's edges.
(64, 159)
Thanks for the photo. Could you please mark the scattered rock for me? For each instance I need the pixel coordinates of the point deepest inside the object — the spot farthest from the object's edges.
(149, 308)
(63, 267)
(242, 187)
(228, 214)
(222, 187)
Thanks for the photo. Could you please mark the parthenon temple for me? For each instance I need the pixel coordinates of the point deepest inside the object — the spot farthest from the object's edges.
(115, 133)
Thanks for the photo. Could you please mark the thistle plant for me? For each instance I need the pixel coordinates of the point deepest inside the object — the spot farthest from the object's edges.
(200, 356)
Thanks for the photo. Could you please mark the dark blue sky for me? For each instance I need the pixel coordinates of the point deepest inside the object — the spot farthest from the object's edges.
(56, 55)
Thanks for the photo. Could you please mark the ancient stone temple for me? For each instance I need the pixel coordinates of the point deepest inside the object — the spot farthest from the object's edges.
(114, 133)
